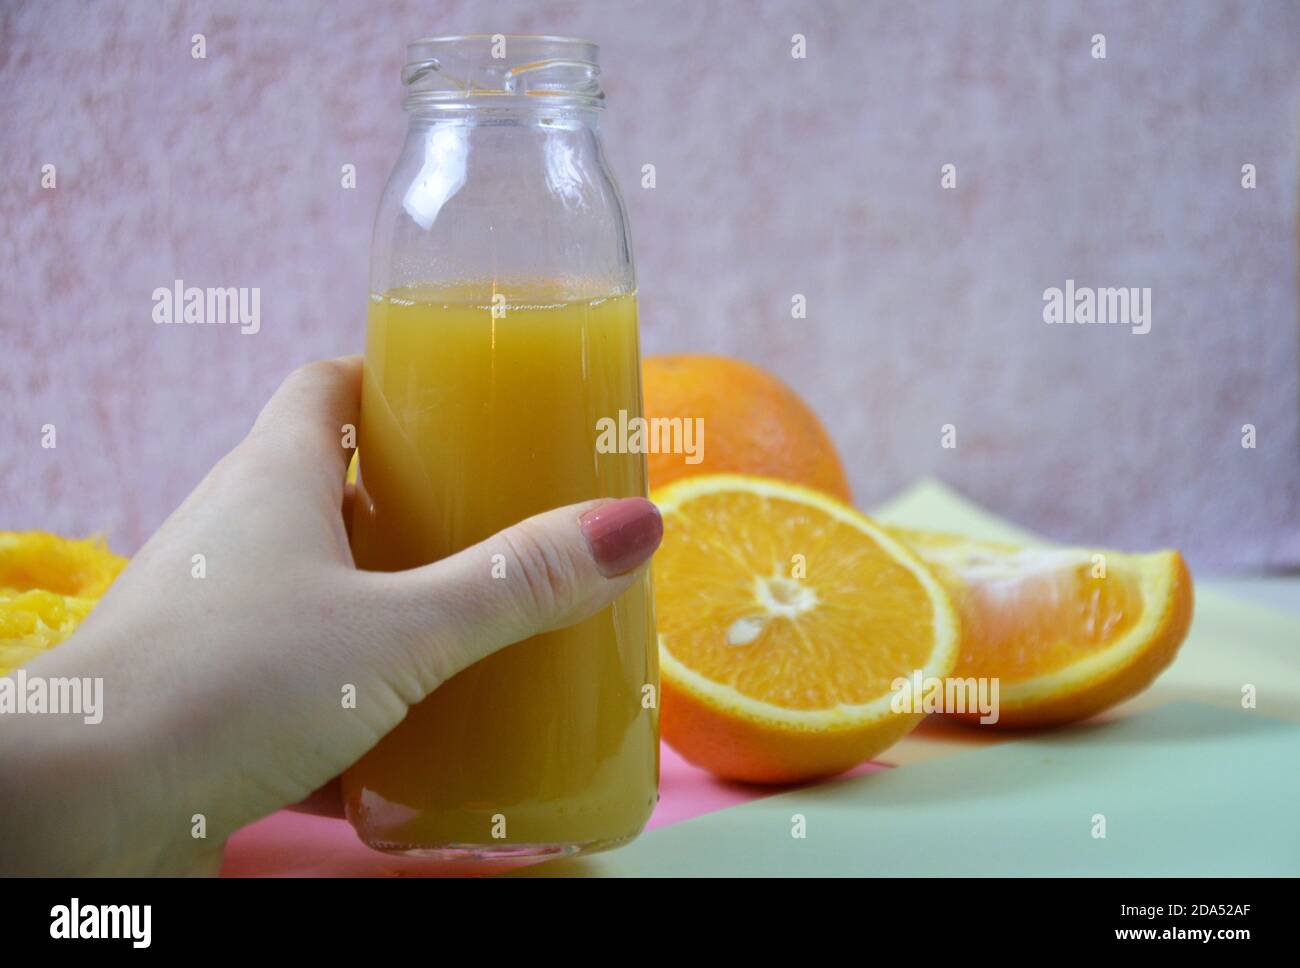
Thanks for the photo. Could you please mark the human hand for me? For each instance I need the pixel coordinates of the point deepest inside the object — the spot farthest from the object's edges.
(222, 694)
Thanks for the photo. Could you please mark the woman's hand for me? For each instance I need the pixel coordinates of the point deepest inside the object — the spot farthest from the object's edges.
(223, 694)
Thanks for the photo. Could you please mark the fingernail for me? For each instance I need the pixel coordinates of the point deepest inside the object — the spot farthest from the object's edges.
(622, 534)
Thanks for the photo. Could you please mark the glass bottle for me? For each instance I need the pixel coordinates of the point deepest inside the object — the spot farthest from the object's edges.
(502, 329)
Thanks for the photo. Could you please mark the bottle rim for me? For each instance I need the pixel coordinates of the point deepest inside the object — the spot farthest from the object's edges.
(552, 38)
(505, 70)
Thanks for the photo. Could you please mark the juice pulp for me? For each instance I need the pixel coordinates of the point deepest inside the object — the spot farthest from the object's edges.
(471, 422)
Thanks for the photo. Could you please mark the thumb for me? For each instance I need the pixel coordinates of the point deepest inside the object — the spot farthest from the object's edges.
(546, 572)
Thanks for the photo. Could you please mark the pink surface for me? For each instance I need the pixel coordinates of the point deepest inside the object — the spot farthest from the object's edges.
(288, 844)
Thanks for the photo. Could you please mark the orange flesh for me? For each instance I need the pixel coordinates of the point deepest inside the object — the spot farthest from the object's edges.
(852, 627)
(36, 560)
(1032, 626)
(48, 585)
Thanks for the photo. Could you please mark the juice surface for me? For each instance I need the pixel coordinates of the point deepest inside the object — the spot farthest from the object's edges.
(470, 423)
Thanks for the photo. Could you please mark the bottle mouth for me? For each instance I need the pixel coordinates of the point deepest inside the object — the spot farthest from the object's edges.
(502, 69)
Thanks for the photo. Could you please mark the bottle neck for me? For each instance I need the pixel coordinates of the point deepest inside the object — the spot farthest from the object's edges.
(557, 113)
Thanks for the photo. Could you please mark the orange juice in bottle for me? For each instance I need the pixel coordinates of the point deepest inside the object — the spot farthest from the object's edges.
(502, 331)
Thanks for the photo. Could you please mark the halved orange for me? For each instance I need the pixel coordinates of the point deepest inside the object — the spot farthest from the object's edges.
(785, 620)
(1068, 632)
(48, 585)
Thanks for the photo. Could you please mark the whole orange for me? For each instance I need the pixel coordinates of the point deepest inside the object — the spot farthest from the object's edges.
(753, 423)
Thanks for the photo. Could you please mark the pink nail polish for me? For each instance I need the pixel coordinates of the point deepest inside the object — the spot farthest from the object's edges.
(622, 534)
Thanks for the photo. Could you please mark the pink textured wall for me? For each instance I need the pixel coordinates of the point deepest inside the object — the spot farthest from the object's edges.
(775, 176)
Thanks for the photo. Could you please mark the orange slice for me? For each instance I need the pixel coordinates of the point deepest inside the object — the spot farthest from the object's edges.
(785, 619)
(1068, 632)
(48, 585)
